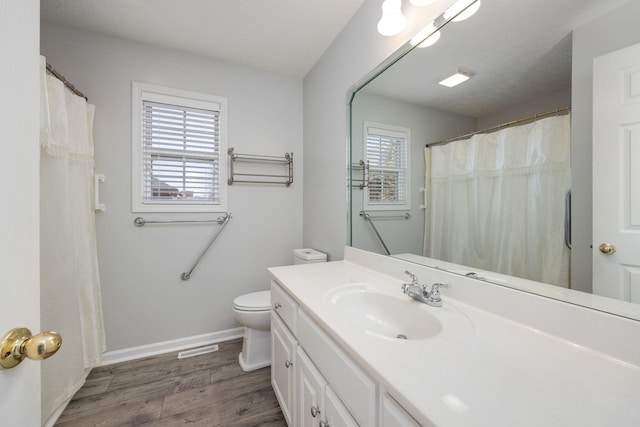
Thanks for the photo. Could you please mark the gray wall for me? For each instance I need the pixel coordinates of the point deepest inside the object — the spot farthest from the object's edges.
(610, 32)
(427, 125)
(144, 299)
(355, 52)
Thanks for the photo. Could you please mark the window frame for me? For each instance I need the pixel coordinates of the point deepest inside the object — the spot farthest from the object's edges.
(145, 92)
(393, 132)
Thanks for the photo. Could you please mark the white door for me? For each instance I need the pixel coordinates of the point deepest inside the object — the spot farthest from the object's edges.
(19, 202)
(616, 174)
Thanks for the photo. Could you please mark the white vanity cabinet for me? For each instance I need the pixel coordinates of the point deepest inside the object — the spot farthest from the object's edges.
(393, 415)
(316, 383)
(317, 403)
(283, 355)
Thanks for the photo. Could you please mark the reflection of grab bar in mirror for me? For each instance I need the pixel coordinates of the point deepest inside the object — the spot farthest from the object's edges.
(368, 218)
(474, 275)
(567, 219)
(403, 216)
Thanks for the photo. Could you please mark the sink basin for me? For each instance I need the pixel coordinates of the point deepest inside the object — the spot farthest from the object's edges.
(384, 315)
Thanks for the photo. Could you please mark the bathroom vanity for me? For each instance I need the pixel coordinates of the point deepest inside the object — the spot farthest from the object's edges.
(349, 348)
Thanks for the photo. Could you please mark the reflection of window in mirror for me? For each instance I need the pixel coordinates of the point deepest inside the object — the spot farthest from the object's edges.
(387, 150)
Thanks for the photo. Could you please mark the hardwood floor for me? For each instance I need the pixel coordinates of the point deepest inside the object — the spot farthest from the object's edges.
(207, 390)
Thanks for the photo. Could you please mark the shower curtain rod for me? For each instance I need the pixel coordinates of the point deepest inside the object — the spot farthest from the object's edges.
(504, 125)
(66, 82)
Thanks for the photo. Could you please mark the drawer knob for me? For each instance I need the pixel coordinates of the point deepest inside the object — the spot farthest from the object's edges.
(315, 411)
(277, 305)
(288, 363)
(324, 424)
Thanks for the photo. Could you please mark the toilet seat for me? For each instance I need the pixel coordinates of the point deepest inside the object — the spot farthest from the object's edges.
(255, 301)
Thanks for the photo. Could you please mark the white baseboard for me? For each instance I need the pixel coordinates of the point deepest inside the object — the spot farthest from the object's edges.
(127, 354)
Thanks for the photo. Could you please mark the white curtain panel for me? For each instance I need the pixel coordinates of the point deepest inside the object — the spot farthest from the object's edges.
(496, 201)
(69, 280)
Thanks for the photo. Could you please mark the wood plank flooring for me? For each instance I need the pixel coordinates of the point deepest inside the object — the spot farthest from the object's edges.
(161, 391)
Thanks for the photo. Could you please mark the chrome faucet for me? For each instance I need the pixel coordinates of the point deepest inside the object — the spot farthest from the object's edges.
(419, 292)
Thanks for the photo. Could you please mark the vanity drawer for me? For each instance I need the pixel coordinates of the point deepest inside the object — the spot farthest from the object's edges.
(355, 388)
(284, 306)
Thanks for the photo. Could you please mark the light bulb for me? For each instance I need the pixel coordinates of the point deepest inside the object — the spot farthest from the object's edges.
(392, 21)
(426, 37)
(421, 2)
(462, 10)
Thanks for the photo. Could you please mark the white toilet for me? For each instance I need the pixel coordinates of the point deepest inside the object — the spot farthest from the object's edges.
(253, 311)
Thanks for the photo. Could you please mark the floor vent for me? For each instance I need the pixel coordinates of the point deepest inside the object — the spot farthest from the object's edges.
(198, 351)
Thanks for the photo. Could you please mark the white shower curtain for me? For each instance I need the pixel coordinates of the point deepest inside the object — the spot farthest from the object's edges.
(496, 201)
(70, 286)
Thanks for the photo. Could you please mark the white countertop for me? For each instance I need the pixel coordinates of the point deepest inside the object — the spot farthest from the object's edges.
(495, 372)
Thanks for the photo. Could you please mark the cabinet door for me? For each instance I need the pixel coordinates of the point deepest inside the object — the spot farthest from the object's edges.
(393, 415)
(283, 352)
(336, 415)
(310, 392)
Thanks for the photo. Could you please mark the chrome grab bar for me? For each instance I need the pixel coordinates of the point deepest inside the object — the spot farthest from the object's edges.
(140, 222)
(223, 221)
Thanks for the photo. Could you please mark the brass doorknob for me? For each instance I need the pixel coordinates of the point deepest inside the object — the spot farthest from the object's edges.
(607, 248)
(18, 343)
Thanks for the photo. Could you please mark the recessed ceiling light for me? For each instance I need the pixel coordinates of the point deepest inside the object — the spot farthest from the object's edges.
(456, 79)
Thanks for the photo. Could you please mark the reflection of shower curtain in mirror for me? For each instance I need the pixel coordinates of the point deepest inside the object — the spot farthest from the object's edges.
(69, 282)
(496, 201)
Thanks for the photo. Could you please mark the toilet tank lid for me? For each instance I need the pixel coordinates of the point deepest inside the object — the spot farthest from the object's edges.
(253, 301)
(309, 254)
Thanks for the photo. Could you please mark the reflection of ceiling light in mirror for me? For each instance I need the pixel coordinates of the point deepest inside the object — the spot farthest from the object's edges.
(421, 2)
(431, 40)
(456, 79)
(462, 10)
(426, 37)
(392, 21)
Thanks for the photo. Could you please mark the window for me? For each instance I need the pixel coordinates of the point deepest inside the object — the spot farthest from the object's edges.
(387, 151)
(178, 142)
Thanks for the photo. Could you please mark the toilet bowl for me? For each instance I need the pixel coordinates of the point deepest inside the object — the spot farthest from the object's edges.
(253, 311)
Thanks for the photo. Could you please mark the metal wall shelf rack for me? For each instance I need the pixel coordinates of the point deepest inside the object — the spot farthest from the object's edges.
(357, 168)
(267, 163)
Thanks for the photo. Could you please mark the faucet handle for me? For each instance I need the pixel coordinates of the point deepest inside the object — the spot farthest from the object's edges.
(414, 279)
(435, 289)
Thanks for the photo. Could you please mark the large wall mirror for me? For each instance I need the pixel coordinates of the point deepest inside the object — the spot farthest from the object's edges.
(492, 178)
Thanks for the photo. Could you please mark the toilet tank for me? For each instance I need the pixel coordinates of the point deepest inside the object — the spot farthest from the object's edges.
(308, 256)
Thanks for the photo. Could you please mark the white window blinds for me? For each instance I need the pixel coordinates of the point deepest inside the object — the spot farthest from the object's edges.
(178, 150)
(387, 154)
(181, 153)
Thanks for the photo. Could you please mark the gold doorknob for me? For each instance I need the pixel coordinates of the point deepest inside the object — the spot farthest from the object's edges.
(18, 343)
(607, 248)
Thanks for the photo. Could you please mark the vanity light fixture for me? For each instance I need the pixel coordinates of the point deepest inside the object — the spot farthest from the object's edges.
(392, 21)
(461, 10)
(457, 78)
(428, 36)
(421, 2)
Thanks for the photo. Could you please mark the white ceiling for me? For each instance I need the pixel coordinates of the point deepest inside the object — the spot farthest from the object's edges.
(283, 36)
(518, 51)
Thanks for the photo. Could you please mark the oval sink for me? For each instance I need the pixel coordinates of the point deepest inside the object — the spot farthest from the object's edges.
(384, 315)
